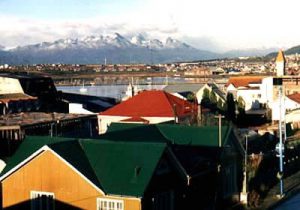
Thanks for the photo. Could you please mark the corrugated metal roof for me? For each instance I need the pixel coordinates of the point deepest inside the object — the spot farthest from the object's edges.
(174, 134)
(15, 97)
(154, 103)
(30, 118)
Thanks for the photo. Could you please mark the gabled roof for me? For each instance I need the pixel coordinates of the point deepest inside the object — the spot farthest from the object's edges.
(295, 97)
(217, 90)
(153, 103)
(206, 136)
(244, 81)
(183, 88)
(280, 56)
(117, 168)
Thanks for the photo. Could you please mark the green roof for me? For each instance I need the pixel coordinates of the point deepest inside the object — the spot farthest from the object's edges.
(27, 148)
(168, 133)
(118, 168)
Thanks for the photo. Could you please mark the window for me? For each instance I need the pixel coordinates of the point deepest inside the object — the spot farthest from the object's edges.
(42, 200)
(109, 204)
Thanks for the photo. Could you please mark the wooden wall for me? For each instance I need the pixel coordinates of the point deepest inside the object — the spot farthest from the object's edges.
(46, 172)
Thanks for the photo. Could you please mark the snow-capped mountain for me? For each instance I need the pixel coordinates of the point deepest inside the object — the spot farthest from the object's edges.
(108, 41)
(115, 48)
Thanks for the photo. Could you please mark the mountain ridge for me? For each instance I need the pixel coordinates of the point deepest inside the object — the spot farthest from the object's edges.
(114, 48)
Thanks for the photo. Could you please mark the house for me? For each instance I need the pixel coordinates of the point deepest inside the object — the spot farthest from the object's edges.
(195, 147)
(291, 104)
(183, 90)
(149, 107)
(90, 174)
(34, 85)
(256, 91)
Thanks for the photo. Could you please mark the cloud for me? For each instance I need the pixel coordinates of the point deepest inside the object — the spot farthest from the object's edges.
(212, 25)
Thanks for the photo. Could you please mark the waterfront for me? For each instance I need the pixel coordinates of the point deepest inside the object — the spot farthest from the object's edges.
(116, 86)
(115, 91)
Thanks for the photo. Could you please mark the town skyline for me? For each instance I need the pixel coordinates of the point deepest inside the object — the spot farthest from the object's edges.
(209, 25)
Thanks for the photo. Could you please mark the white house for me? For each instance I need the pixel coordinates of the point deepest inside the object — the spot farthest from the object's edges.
(256, 91)
(290, 105)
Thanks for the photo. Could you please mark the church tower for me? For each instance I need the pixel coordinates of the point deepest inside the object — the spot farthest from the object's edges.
(280, 64)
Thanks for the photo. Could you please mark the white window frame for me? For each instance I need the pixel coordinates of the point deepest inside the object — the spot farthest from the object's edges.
(34, 194)
(115, 202)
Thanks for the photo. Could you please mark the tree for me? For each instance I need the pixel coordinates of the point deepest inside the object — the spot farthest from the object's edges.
(212, 98)
(241, 118)
(220, 105)
(241, 104)
(191, 97)
(206, 94)
(230, 107)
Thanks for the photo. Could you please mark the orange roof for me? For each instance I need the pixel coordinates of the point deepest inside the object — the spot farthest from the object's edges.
(153, 103)
(295, 97)
(280, 57)
(244, 81)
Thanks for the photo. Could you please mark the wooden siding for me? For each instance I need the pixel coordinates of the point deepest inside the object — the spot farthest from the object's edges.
(46, 172)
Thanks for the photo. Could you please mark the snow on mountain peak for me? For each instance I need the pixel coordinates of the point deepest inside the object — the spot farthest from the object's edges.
(115, 40)
(138, 40)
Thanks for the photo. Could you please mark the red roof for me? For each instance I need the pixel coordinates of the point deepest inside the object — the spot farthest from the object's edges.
(153, 103)
(295, 97)
(244, 81)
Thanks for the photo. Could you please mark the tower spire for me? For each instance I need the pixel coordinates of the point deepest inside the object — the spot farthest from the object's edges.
(280, 64)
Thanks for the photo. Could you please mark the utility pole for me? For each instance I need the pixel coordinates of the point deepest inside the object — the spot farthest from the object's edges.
(220, 129)
(280, 145)
(244, 193)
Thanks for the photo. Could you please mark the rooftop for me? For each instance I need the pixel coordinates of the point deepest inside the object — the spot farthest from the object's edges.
(31, 118)
(154, 103)
(183, 88)
(244, 81)
(101, 162)
(295, 97)
(167, 133)
(4, 98)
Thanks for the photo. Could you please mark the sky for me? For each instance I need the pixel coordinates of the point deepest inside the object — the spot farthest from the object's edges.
(216, 25)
